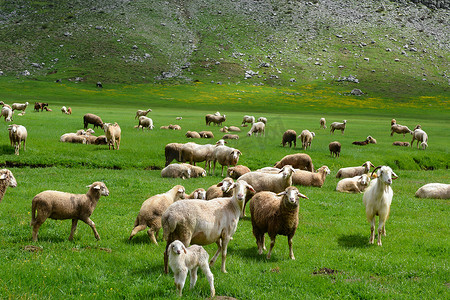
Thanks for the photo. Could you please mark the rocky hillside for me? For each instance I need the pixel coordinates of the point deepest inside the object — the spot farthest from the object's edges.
(228, 41)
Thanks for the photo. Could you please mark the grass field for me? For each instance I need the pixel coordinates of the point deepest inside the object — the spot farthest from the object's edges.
(333, 232)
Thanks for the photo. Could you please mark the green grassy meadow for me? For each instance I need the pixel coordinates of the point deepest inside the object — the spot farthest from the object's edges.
(333, 231)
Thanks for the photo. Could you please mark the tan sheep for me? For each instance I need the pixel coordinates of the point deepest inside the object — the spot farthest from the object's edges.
(220, 190)
(300, 161)
(113, 134)
(307, 178)
(6, 180)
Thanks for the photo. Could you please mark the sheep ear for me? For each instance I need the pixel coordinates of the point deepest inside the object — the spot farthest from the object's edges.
(3, 176)
(282, 193)
(180, 191)
(394, 176)
(220, 183)
(96, 187)
(251, 188)
(301, 195)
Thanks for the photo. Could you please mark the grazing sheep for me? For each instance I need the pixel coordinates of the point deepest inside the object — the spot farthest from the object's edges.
(424, 145)
(182, 260)
(234, 129)
(64, 110)
(6, 179)
(146, 122)
(19, 106)
(179, 118)
(338, 126)
(237, 171)
(217, 120)
(174, 127)
(205, 222)
(3, 104)
(431, 190)
(257, 128)
(152, 210)
(229, 136)
(355, 184)
(69, 110)
(226, 156)
(40, 106)
(276, 214)
(289, 136)
(220, 190)
(176, 171)
(307, 178)
(141, 113)
(7, 113)
(248, 119)
(398, 143)
(61, 206)
(393, 121)
(400, 129)
(92, 119)
(173, 151)
(377, 200)
(335, 148)
(300, 161)
(17, 135)
(73, 138)
(306, 137)
(421, 136)
(323, 123)
(262, 119)
(199, 193)
(206, 134)
(192, 135)
(350, 172)
(113, 134)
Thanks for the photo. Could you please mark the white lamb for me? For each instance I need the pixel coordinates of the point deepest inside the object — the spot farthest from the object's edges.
(355, 184)
(257, 128)
(19, 106)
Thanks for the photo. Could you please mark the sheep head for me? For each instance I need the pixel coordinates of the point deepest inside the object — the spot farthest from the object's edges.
(385, 174)
(287, 171)
(240, 190)
(177, 247)
(291, 195)
(180, 194)
(6, 174)
(99, 187)
(226, 184)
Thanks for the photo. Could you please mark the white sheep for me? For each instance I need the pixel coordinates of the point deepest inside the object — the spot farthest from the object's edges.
(338, 126)
(64, 110)
(248, 119)
(61, 206)
(354, 171)
(205, 222)
(141, 112)
(113, 134)
(323, 123)
(421, 136)
(7, 113)
(226, 156)
(377, 200)
(355, 184)
(400, 129)
(176, 171)
(6, 180)
(17, 135)
(306, 137)
(434, 190)
(182, 260)
(257, 128)
(86, 132)
(262, 119)
(275, 214)
(194, 153)
(152, 209)
(145, 122)
(306, 178)
(73, 138)
(19, 106)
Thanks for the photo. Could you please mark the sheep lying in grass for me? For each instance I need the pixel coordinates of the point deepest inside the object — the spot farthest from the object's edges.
(6, 179)
(237, 171)
(289, 136)
(220, 190)
(206, 134)
(229, 136)
(73, 138)
(61, 206)
(183, 171)
(354, 171)
(192, 135)
(275, 214)
(398, 143)
(307, 178)
(199, 193)
(434, 190)
(262, 119)
(182, 260)
(299, 161)
(152, 209)
(355, 184)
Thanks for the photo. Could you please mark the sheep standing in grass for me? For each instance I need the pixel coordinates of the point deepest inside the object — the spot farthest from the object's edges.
(141, 113)
(61, 206)
(289, 136)
(400, 129)
(205, 222)
(146, 122)
(306, 137)
(421, 136)
(7, 113)
(262, 119)
(19, 106)
(323, 123)
(257, 128)
(152, 210)
(338, 126)
(217, 120)
(194, 153)
(433, 190)
(248, 119)
(64, 110)
(220, 190)
(173, 151)
(377, 200)
(17, 135)
(300, 161)
(307, 178)
(226, 156)
(355, 184)
(350, 172)
(6, 179)
(113, 134)
(92, 119)
(182, 260)
(335, 148)
(275, 214)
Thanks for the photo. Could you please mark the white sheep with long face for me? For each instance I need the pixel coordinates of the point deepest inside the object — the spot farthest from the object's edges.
(377, 200)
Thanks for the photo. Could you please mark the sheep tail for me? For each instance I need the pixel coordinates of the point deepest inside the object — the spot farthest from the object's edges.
(33, 213)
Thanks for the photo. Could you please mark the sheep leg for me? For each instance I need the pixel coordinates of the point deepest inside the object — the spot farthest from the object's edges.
(180, 279)
(136, 230)
(36, 226)
(209, 275)
(225, 240)
(219, 249)
(272, 243)
(291, 251)
(193, 277)
(259, 241)
(222, 171)
(74, 227)
(372, 230)
(166, 258)
(381, 230)
(151, 235)
(92, 225)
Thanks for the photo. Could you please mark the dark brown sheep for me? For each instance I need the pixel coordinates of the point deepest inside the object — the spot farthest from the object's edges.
(92, 119)
(173, 151)
(39, 106)
(289, 136)
(209, 118)
(335, 148)
(300, 161)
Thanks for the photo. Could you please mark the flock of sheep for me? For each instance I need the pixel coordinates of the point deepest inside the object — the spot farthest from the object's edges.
(211, 216)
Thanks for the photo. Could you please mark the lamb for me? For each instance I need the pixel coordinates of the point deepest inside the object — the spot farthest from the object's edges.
(398, 143)
(182, 260)
(220, 190)
(17, 135)
(146, 122)
(306, 137)
(230, 137)
(275, 214)
(355, 184)
(112, 133)
(421, 136)
(6, 180)
(257, 128)
(377, 200)
(307, 178)
(432, 190)
(152, 210)
(289, 136)
(226, 156)
(206, 134)
(173, 151)
(218, 120)
(7, 113)
(192, 135)
(237, 171)
(199, 193)
(338, 126)
(61, 206)
(248, 119)
(300, 161)
(141, 113)
(19, 106)
(92, 119)
(205, 222)
(400, 129)
(371, 140)
(323, 123)
(64, 110)
(73, 138)
(335, 148)
(176, 171)
(262, 119)
(354, 171)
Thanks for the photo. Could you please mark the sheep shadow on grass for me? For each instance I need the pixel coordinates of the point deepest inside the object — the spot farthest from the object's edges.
(7, 149)
(252, 253)
(353, 241)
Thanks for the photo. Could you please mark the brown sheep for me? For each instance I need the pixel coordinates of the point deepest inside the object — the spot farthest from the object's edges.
(173, 151)
(229, 136)
(206, 134)
(300, 161)
(404, 144)
(289, 136)
(335, 148)
(92, 119)
(237, 171)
